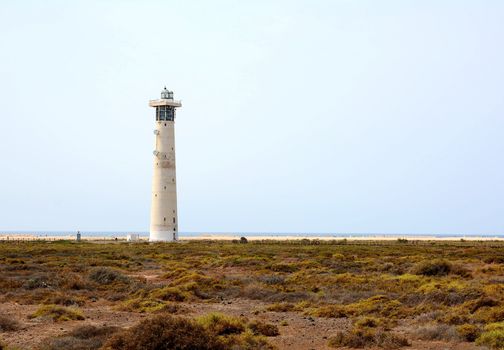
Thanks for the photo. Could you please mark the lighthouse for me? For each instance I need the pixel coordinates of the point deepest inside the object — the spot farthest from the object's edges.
(163, 221)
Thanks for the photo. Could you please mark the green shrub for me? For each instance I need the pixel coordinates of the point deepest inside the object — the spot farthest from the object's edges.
(281, 307)
(169, 294)
(331, 311)
(281, 267)
(220, 324)
(144, 305)
(57, 313)
(493, 336)
(246, 341)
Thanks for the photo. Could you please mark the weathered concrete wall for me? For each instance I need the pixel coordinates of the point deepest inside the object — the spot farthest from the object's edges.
(164, 220)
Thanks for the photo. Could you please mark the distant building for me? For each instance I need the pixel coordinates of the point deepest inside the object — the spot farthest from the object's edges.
(163, 223)
(132, 237)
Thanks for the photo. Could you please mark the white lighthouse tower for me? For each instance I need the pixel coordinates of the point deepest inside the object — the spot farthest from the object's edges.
(164, 223)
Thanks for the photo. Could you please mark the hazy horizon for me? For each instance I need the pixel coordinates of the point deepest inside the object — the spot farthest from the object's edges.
(297, 116)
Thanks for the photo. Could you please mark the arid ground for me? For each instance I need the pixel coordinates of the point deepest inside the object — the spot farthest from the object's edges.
(256, 295)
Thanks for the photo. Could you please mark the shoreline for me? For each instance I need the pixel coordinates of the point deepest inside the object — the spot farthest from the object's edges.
(220, 237)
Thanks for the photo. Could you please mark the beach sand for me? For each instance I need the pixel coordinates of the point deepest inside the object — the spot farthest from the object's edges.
(219, 237)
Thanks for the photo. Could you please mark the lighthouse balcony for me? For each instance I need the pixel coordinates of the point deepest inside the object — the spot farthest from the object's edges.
(165, 102)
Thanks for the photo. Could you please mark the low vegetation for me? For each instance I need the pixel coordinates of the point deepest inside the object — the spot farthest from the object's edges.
(364, 337)
(81, 338)
(57, 313)
(8, 324)
(493, 336)
(210, 332)
(388, 293)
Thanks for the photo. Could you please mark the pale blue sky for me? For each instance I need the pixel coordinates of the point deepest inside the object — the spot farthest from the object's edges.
(298, 116)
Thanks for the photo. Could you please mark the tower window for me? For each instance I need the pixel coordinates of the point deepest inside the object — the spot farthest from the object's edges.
(173, 220)
(165, 187)
(164, 219)
(165, 113)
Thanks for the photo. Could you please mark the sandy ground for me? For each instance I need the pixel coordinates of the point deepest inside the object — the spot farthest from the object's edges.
(28, 237)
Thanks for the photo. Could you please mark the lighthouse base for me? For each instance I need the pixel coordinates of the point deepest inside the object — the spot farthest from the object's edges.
(163, 236)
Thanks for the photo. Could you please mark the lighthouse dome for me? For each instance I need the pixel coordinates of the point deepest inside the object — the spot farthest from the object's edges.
(166, 94)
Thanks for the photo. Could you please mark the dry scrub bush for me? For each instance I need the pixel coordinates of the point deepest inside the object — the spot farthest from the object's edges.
(38, 281)
(282, 267)
(81, 338)
(212, 332)
(378, 305)
(484, 301)
(367, 337)
(65, 300)
(246, 341)
(489, 314)
(220, 324)
(57, 313)
(469, 332)
(148, 305)
(437, 331)
(8, 324)
(169, 294)
(142, 305)
(263, 328)
(281, 307)
(106, 275)
(439, 268)
(165, 333)
(493, 336)
(331, 311)
(369, 322)
(272, 279)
